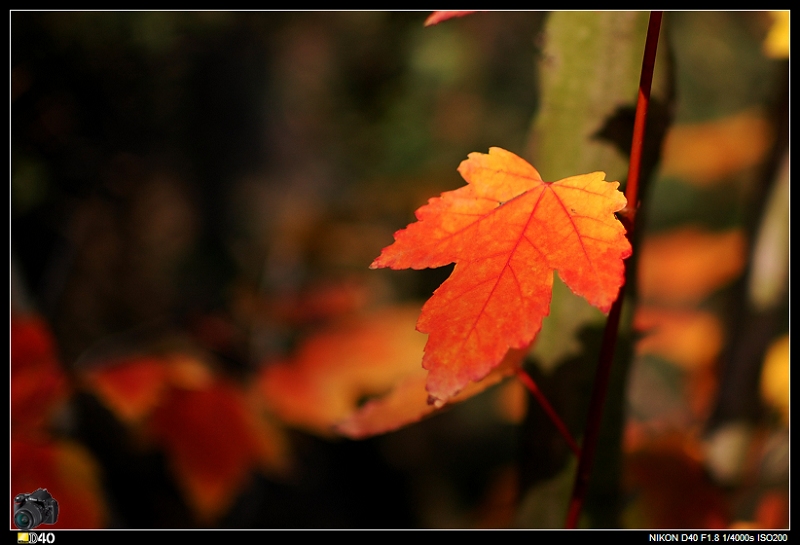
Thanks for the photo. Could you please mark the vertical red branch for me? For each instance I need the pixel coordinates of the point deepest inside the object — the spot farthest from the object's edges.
(642, 104)
(627, 216)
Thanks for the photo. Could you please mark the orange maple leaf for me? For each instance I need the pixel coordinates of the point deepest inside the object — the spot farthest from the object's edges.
(506, 231)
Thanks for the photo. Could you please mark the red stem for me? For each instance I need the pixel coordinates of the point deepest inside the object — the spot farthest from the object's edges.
(627, 217)
(530, 384)
(642, 104)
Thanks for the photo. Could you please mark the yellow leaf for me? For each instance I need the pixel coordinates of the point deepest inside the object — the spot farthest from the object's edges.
(775, 377)
(776, 44)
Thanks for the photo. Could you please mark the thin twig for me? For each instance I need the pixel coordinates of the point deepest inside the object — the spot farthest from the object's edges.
(530, 384)
(627, 217)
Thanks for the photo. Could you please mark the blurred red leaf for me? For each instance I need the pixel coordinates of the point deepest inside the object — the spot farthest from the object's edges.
(213, 436)
(69, 474)
(38, 384)
(773, 510)
(130, 388)
(214, 440)
(507, 231)
(133, 387)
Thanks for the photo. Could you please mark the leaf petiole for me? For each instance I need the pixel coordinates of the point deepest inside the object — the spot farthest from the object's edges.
(530, 384)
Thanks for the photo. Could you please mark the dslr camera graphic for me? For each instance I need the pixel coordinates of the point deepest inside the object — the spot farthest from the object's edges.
(31, 510)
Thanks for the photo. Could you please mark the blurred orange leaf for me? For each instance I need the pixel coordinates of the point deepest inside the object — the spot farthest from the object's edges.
(409, 402)
(334, 370)
(70, 475)
(507, 231)
(406, 403)
(704, 153)
(361, 378)
(689, 338)
(686, 265)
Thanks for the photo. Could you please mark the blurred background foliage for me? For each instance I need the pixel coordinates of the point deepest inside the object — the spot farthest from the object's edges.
(196, 198)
